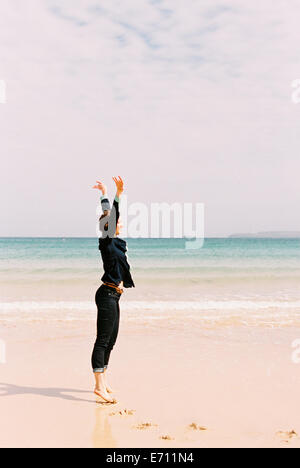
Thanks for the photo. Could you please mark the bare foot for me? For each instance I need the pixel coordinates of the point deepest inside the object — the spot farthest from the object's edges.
(104, 395)
(108, 388)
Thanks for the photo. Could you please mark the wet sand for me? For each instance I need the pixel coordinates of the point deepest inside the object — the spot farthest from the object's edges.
(176, 387)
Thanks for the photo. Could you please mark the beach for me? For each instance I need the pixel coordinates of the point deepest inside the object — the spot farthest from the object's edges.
(239, 385)
(203, 359)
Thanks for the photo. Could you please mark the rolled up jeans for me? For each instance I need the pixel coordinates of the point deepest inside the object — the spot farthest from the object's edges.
(107, 300)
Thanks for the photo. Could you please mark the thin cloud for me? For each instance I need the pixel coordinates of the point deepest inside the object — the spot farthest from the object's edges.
(195, 100)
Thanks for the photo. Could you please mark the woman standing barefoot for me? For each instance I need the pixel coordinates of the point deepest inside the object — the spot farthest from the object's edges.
(116, 274)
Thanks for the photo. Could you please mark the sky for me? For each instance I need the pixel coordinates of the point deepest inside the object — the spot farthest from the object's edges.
(189, 101)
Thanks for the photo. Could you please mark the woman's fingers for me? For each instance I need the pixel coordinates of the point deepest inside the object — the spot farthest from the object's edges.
(118, 179)
(119, 182)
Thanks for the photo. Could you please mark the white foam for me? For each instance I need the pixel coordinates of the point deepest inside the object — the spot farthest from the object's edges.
(27, 306)
(210, 313)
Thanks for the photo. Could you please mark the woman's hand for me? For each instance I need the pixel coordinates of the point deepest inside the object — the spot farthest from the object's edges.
(101, 187)
(119, 184)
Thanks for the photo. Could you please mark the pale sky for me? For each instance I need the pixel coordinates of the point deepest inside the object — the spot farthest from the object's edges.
(187, 100)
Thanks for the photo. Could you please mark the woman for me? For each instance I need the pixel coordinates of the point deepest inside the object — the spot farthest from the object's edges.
(116, 274)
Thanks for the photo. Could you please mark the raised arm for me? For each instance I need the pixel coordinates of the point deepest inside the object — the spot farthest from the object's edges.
(120, 188)
(111, 216)
(104, 199)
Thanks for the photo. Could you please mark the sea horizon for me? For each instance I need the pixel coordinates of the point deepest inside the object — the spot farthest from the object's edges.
(230, 236)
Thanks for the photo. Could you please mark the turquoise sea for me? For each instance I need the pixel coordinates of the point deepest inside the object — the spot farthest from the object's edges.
(233, 278)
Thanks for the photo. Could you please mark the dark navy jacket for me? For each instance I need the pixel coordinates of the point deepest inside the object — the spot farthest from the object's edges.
(114, 252)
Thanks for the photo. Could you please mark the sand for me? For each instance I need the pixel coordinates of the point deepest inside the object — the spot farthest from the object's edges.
(176, 386)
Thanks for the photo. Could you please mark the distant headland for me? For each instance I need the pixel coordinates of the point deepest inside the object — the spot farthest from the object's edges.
(269, 235)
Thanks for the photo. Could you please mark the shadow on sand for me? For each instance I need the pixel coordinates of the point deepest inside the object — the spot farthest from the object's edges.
(12, 390)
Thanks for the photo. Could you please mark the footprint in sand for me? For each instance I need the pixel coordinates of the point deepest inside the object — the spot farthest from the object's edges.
(195, 427)
(145, 426)
(106, 403)
(166, 437)
(124, 412)
(287, 436)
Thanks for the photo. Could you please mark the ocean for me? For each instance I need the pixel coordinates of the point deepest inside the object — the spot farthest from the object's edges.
(227, 282)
